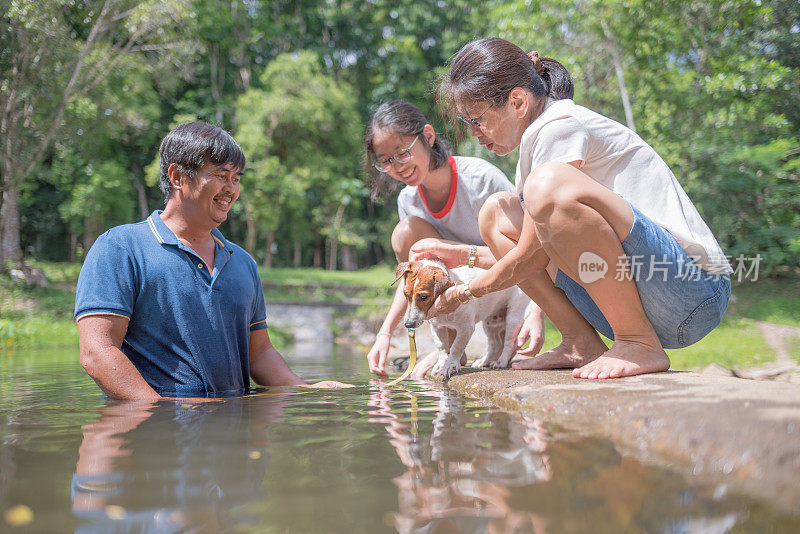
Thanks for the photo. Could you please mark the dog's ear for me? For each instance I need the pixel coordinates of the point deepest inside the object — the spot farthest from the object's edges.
(440, 283)
(403, 268)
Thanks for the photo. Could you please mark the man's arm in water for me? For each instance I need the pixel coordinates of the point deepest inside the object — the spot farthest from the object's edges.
(268, 368)
(100, 340)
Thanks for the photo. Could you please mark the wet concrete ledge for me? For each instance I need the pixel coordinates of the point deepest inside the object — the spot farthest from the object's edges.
(744, 434)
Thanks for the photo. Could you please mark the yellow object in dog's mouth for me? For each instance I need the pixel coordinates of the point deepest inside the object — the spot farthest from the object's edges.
(412, 358)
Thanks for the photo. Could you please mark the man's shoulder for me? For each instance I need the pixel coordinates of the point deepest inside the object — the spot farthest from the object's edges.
(125, 235)
(240, 254)
(239, 250)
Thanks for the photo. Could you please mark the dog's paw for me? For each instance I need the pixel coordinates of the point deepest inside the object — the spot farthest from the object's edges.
(481, 362)
(497, 364)
(446, 368)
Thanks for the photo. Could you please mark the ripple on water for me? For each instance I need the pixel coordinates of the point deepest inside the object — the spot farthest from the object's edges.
(369, 459)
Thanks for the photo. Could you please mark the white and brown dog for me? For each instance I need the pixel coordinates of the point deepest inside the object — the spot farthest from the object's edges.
(501, 312)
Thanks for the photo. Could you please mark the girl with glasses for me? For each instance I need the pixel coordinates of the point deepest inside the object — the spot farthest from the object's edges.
(605, 239)
(439, 203)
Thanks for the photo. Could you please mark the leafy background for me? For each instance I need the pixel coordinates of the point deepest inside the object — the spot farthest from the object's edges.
(88, 88)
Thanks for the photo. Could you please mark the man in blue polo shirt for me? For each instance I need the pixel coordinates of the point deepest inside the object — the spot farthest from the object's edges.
(168, 307)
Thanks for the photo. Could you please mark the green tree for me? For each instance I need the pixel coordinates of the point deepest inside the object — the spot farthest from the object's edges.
(102, 197)
(78, 45)
(707, 84)
(300, 131)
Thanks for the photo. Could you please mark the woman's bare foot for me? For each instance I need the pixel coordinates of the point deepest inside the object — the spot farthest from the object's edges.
(569, 354)
(626, 358)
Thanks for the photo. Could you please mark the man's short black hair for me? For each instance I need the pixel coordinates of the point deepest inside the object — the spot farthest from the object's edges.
(192, 145)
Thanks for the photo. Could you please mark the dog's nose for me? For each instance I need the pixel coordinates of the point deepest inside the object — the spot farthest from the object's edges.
(410, 324)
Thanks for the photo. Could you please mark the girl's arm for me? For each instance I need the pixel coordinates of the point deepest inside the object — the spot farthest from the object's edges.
(380, 348)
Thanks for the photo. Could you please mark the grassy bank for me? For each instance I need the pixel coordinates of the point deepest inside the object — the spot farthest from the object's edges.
(42, 318)
(367, 286)
(772, 300)
(35, 317)
(737, 341)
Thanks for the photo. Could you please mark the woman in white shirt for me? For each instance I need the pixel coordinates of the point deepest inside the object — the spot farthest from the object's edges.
(600, 234)
(441, 200)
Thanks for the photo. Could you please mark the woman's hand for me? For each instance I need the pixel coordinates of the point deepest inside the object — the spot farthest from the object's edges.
(532, 327)
(450, 253)
(446, 303)
(377, 355)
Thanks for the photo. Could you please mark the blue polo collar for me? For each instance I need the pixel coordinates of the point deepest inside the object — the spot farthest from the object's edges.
(164, 235)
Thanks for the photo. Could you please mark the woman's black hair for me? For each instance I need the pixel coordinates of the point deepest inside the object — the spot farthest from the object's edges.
(402, 118)
(192, 145)
(488, 69)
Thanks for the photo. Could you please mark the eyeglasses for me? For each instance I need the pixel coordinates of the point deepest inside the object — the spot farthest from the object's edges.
(474, 122)
(401, 156)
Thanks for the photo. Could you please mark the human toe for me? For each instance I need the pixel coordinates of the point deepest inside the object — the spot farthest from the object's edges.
(595, 372)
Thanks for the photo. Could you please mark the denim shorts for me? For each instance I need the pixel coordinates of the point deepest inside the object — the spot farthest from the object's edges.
(682, 301)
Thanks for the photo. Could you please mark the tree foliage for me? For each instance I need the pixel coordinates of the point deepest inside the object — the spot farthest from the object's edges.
(713, 86)
(301, 130)
(58, 60)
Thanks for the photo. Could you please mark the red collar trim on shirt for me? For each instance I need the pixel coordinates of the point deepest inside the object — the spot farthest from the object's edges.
(453, 188)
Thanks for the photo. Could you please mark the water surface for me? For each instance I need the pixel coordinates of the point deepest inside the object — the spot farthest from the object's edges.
(414, 458)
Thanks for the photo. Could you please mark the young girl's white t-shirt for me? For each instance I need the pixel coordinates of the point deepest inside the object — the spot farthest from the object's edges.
(616, 157)
(473, 180)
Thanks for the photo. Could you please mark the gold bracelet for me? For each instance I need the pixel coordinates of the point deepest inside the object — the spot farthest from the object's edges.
(382, 333)
(468, 292)
(472, 256)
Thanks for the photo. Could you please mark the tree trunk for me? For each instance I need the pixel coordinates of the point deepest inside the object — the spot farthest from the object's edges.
(242, 31)
(623, 89)
(217, 67)
(250, 223)
(334, 241)
(93, 227)
(298, 254)
(72, 243)
(144, 212)
(349, 261)
(317, 252)
(333, 245)
(268, 255)
(9, 226)
(378, 253)
(2, 255)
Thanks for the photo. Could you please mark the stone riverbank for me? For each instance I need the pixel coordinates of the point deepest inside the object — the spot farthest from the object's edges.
(740, 434)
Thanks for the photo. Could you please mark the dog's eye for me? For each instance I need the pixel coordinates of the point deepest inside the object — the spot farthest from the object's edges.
(423, 297)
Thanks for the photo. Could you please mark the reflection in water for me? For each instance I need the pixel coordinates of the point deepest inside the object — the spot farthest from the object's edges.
(172, 468)
(461, 474)
(479, 469)
(414, 458)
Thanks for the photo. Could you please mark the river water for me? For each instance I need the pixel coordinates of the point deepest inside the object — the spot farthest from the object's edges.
(412, 458)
